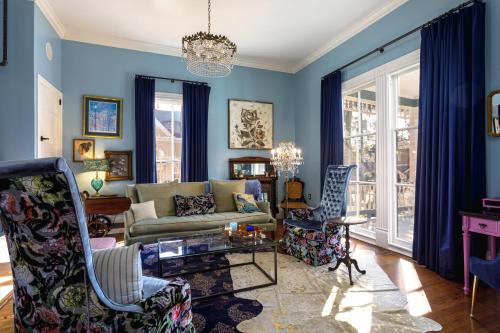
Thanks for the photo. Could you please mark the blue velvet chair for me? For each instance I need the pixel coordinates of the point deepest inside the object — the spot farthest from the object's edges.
(487, 271)
(55, 285)
(307, 235)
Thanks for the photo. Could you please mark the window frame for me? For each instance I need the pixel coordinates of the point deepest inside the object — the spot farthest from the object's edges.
(177, 99)
(386, 103)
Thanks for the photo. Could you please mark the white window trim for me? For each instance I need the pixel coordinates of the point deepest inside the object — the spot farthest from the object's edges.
(386, 200)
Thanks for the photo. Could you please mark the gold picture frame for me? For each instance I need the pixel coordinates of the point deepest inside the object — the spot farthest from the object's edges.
(493, 113)
(120, 165)
(102, 117)
(83, 149)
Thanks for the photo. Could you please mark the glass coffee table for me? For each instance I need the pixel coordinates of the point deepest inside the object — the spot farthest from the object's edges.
(218, 243)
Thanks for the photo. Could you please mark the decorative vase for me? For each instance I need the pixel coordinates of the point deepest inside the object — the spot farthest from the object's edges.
(97, 184)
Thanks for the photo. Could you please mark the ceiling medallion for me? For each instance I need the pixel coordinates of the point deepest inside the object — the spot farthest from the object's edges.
(208, 55)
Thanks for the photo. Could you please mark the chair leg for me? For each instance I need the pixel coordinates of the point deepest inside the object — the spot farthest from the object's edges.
(474, 290)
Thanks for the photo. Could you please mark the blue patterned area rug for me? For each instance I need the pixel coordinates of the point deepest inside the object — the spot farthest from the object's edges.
(220, 314)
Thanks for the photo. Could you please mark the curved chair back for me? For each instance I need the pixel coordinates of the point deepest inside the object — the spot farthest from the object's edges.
(44, 222)
(335, 189)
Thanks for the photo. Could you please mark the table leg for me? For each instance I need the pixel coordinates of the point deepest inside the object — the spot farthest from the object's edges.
(493, 247)
(466, 238)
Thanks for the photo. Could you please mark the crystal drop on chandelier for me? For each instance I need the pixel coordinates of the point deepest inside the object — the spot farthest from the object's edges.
(208, 55)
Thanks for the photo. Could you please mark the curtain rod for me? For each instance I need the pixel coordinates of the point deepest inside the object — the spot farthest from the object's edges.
(169, 79)
(381, 49)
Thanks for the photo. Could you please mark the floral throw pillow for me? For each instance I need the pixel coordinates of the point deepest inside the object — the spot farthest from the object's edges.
(194, 205)
(245, 203)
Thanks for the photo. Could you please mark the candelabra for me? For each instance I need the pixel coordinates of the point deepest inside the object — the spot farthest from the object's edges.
(286, 160)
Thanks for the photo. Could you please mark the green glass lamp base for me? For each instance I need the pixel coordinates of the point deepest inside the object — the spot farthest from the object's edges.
(97, 184)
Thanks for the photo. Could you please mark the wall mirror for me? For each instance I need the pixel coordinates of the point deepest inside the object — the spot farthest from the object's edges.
(3, 32)
(494, 113)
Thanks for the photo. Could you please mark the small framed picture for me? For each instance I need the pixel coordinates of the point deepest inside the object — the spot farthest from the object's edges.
(102, 117)
(250, 124)
(120, 165)
(83, 149)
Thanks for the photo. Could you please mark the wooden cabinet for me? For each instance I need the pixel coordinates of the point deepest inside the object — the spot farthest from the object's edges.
(97, 208)
(257, 168)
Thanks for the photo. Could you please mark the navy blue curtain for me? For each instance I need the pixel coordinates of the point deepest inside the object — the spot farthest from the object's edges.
(145, 157)
(194, 163)
(332, 137)
(451, 137)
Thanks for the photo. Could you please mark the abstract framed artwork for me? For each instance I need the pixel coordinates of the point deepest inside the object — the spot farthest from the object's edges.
(102, 117)
(83, 149)
(120, 165)
(3, 32)
(250, 124)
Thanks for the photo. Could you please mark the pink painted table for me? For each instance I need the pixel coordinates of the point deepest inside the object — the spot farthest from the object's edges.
(486, 223)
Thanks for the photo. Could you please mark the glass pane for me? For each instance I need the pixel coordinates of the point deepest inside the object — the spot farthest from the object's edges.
(177, 124)
(368, 110)
(367, 162)
(351, 154)
(406, 155)
(406, 213)
(407, 113)
(362, 202)
(351, 115)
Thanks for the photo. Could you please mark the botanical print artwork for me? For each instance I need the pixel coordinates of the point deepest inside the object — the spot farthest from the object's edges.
(83, 149)
(102, 117)
(250, 125)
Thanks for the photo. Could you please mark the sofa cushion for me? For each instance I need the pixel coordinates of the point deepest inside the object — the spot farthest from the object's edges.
(194, 204)
(195, 222)
(163, 194)
(223, 191)
(144, 210)
(245, 203)
(119, 272)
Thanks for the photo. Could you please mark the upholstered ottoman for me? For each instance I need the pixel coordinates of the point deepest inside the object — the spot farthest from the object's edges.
(102, 243)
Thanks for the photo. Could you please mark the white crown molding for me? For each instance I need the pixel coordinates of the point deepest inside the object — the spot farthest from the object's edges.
(130, 44)
(51, 16)
(348, 33)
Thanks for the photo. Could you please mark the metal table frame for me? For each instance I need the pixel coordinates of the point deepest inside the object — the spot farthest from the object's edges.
(252, 248)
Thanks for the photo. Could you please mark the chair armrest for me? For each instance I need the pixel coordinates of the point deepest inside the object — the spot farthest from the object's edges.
(169, 309)
(264, 206)
(129, 219)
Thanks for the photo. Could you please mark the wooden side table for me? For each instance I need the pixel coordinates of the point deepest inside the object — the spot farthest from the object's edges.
(97, 208)
(347, 260)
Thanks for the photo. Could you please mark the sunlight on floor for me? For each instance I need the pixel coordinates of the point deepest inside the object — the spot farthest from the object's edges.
(418, 305)
(4, 252)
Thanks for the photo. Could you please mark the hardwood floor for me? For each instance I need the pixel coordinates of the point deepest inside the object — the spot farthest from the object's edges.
(428, 294)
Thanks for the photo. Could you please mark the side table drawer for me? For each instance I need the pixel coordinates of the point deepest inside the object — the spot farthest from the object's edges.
(483, 226)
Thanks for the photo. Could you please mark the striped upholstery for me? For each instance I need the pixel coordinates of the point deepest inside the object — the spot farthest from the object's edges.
(119, 272)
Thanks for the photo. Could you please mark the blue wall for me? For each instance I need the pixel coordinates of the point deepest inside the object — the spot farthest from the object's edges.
(307, 82)
(17, 85)
(98, 70)
(50, 70)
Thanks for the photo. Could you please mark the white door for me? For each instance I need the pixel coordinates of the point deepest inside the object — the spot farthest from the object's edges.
(49, 120)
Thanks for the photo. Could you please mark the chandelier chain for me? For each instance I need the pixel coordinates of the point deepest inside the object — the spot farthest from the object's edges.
(209, 12)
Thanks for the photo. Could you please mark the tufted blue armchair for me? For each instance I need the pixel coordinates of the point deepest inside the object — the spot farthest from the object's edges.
(55, 286)
(487, 271)
(307, 235)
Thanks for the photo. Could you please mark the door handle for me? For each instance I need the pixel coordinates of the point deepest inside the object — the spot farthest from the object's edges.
(42, 138)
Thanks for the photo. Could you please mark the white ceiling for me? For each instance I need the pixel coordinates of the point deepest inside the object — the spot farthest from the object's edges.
(283, 35)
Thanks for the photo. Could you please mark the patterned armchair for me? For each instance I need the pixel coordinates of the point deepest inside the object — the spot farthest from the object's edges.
(307, 235)
(55, 286)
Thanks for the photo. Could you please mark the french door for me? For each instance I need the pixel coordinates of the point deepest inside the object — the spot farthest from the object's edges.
(380, 137)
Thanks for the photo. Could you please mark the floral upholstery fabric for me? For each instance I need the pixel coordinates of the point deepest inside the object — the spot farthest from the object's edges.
(48, 246)
(194, 205)
(307, 234)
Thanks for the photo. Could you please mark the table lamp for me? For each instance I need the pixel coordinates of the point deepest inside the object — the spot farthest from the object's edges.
(286, 160)
(96, 165)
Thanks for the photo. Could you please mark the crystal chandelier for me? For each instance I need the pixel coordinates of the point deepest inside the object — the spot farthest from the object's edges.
(208, 55)
(286, 158)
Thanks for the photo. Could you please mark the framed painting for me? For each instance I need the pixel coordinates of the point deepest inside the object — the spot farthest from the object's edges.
(102, 117)
(120, 165)
(83, 149)
(250, 124)
(3, 32)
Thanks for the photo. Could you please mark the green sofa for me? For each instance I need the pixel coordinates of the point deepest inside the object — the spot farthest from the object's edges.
(168, 224)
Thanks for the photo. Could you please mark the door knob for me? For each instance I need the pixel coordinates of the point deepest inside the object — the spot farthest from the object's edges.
(42, 138)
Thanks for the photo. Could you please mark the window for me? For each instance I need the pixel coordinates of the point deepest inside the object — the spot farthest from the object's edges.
(168, 127)
(380, 111)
